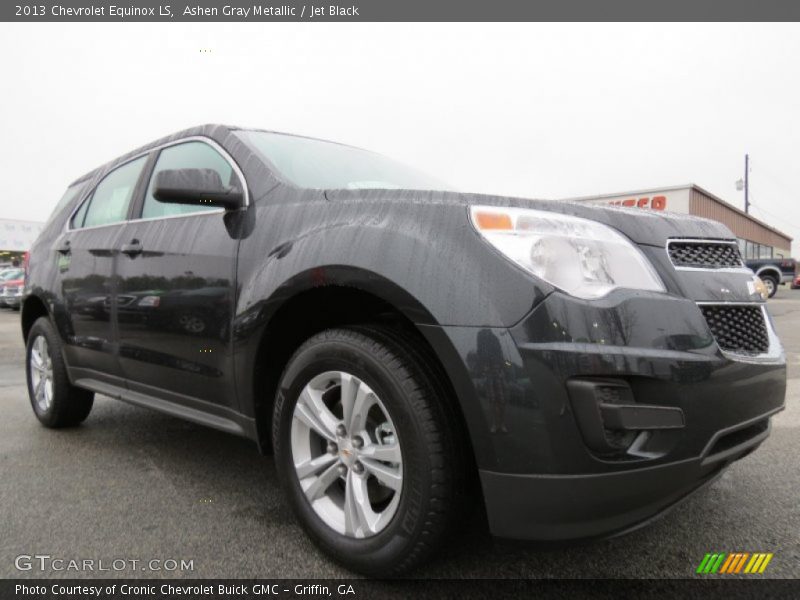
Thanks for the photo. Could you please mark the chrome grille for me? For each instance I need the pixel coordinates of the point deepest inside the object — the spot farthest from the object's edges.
(704, 255)
(740, 329)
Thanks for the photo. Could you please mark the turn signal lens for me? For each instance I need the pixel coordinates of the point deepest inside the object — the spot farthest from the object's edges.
(490, 220)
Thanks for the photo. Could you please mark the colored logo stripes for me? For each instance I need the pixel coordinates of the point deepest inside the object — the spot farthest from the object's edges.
(734, 562)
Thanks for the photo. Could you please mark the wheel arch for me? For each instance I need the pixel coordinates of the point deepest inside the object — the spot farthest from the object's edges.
(32, 308)
(770, 270)
(327, 297)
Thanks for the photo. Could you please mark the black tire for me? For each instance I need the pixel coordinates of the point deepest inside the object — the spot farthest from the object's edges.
(770, 280)
(192, 322)
(69, 405)
(433, 464)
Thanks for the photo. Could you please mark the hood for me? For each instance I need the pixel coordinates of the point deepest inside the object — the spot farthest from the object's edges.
(642, 226)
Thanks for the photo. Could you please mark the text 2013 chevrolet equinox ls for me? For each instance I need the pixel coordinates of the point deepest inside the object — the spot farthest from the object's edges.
(591, 365)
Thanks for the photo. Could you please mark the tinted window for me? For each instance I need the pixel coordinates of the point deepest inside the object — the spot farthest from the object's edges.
(310, 163)
(110, 200)
(190, 155)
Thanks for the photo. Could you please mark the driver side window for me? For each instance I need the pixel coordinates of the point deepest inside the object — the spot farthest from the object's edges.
(188, 155)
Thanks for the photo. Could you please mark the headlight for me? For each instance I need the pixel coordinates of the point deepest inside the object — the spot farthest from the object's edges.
(584, 258)
(150, 301)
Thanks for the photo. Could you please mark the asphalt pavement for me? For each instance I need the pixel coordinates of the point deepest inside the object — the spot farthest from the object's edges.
(134, 485)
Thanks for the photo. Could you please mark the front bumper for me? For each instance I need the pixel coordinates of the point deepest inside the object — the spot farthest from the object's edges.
(540, 477)
(560, 507)
(10, 301)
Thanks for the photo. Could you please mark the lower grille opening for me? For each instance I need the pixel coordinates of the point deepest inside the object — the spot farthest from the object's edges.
(738, 329)
(733, 439)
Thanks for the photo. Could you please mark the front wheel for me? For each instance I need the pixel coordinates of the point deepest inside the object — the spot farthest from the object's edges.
(771, 284)
(364, 451)
(55, 401)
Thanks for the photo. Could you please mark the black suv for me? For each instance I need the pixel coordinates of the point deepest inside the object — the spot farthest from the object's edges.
(400, 346)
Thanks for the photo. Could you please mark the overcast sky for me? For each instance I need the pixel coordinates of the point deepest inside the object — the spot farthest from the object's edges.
(535, 110)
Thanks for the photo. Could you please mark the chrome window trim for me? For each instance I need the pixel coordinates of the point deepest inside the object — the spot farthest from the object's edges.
(198, 213)
(774, 355)
(192, 138)
(742, 269)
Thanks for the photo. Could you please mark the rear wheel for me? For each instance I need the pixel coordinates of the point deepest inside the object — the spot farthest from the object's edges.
(55, 401)
(363, 450)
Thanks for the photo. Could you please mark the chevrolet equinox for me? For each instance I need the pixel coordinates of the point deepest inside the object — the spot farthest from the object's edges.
(402, 347)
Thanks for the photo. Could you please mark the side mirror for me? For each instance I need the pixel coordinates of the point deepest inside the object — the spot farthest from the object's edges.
(195, 186)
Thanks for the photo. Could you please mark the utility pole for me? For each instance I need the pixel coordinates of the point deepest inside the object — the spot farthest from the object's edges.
(746, 183)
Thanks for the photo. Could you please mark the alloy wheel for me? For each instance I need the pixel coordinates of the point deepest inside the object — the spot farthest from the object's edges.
(346, 454)
(41, 370)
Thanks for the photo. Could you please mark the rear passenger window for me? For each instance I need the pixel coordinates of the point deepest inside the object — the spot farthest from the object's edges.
(189, 155)
(111, 198)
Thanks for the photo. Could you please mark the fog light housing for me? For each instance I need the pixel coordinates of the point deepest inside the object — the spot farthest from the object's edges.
(609, 417)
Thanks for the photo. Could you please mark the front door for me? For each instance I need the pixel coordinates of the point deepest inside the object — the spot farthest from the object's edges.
(176, 280)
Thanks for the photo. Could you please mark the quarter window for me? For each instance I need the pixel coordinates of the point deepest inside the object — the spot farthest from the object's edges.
(189, 155)
(111, 198)
(80, 215)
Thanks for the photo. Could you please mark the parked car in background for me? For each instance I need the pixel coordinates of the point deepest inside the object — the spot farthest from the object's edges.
(11, 293)
(12, 284)
(796, 283)
(406, 352)
(773, 271)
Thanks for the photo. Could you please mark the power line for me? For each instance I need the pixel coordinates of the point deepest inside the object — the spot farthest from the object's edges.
(774, 216)
(780, 184)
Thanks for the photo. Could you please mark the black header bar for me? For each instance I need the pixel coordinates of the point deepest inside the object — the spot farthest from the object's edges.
(400, 10)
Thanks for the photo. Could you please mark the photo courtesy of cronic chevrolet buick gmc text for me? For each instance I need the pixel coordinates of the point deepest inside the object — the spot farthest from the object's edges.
(401, 347)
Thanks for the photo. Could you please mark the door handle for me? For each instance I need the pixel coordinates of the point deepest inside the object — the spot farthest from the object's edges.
(132, 249)
(64, 248)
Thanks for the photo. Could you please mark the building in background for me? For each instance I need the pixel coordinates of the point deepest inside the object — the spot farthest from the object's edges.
(16, 238)
(756, 238)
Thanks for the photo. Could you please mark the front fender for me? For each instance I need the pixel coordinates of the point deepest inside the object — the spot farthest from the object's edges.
(426, 251)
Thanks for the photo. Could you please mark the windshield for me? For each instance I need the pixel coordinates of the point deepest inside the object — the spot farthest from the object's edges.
(310, 163)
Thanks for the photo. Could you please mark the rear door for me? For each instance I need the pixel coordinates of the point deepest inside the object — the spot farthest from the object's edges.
(86, 256)
(176, 289)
